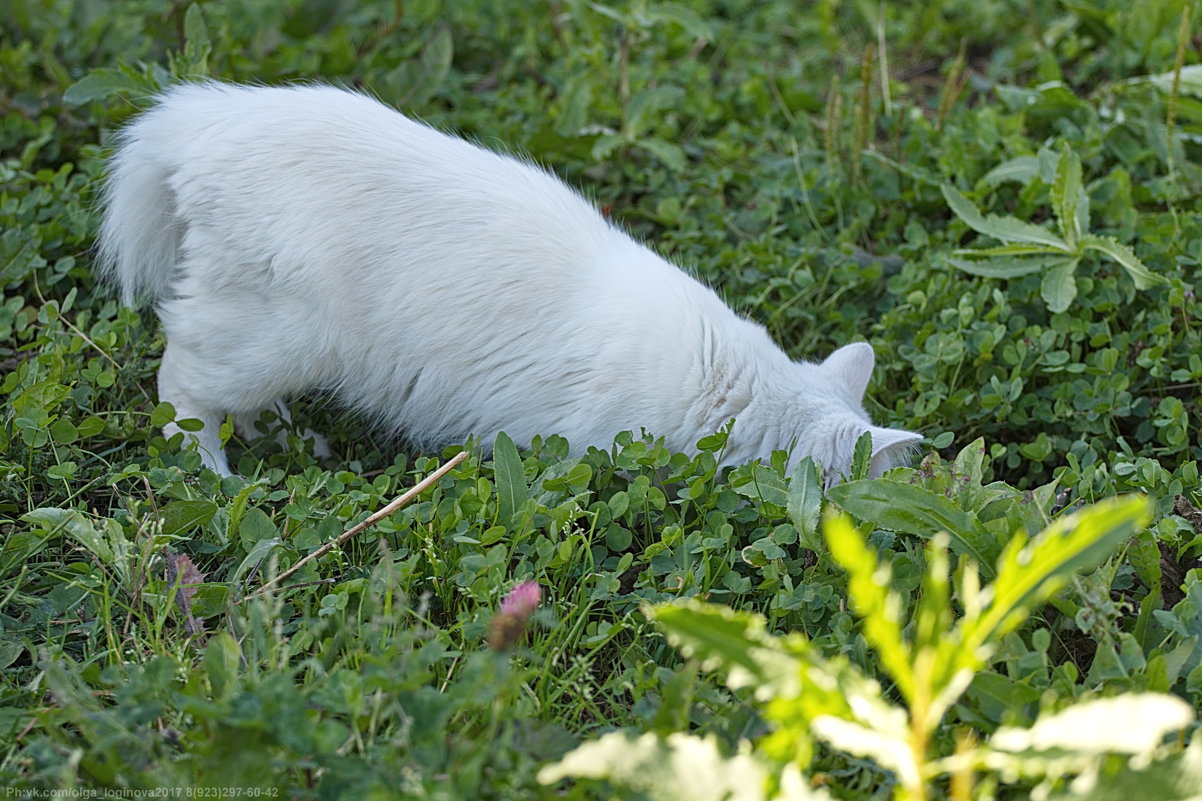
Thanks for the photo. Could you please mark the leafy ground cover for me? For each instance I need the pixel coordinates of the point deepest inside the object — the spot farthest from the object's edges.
(1002, 197)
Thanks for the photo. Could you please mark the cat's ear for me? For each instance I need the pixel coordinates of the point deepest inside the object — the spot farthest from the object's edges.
(891, 448)
(851, 365)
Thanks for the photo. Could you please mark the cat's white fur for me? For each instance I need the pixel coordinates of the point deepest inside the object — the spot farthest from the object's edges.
(308, 237)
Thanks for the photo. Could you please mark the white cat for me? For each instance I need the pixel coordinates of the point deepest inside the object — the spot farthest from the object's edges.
(311, 238)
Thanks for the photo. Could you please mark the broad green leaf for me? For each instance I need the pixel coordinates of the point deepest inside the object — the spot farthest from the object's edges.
(436, 57)
(832, 689)
(870, 596)
(75, 525)
(418, 79)
(932, 616)
(1016, 98)
(122, 548)
(1021, 169)
(943, 440)
(163, 414)
(18, 546)
(766, 485)
(1055, 100)
(796, 683)
(183, 516)
(1189, 82)
(574, 102)
(676, 702)
(1059, 287)
(968, 490)
(998, 694)
(221, 660)
(194, 25)
(1016, 249)
(197, 44)
(1047, 159)
(915, 510)
(617, 538)
(1069, 201)
(645, 104)
(804, 503)
(888, 747)
(190, 424)
(1186, 620)
(1177, 777)
(10, 651)
(606, 144)
(510, 476)
(861, 458)
(1003, 267)
(39, 399)
(254, 527)
(1140, 274)
(970, 462)
(1030, 573)
(236, 511)
(1134, 723)
(101, 84)
(671, 768)
(90, 426)
(1144, 555)
(64, 431)
(695, 25)
(908, 168)
(671, 155)
(735, 643)
(257, 555)
(1007, 229)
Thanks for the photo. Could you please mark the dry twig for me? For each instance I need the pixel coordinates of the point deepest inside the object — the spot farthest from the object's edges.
(416, 490)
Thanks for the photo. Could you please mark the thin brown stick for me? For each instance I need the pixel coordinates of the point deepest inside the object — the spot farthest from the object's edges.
(416, 490)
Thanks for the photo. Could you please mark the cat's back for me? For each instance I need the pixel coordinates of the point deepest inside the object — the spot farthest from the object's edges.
(282, 124)
(342, 176)
(339, 139)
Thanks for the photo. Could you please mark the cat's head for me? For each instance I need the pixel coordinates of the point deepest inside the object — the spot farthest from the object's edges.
(837, 418)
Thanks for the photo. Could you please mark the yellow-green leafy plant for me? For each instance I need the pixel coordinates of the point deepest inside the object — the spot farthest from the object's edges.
(808, 697)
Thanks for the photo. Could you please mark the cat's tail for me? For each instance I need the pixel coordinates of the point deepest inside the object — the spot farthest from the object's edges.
(139, 231)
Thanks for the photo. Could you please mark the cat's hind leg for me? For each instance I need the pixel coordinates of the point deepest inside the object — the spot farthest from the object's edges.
(235, 343)
(174, 384)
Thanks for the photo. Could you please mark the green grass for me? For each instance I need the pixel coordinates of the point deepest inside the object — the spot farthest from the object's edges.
(758, 145)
